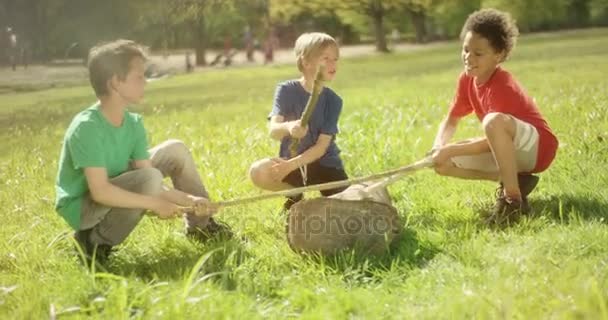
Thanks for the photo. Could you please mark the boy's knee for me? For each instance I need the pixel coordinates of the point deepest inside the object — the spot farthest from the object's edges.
(495, 121)
(258, 172)
(151, 181)
(443, 169)
(175, 148)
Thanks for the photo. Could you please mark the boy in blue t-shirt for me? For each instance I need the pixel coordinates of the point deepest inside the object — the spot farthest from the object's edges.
(318, 154)
(107, 176)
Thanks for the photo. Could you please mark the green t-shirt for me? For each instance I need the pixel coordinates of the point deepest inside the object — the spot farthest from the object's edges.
(91, 141)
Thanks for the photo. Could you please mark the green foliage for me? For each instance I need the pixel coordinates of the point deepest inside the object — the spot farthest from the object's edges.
(449, 16)
(54, 27)
(599, 12)
(533, 15)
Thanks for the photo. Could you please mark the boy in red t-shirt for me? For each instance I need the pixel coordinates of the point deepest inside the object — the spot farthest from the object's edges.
(517, 141)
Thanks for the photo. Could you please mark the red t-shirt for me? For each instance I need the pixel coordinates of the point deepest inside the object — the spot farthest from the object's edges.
(501, 93)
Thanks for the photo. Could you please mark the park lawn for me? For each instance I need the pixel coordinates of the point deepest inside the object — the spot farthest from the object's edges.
(447, 265)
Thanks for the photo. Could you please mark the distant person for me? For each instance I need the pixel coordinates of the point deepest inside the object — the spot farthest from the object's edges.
(228, 51)
(12, 48)
(270, 45)
(107, 174)
(248, 43)
(517, 142)
(26, 52)
(189, 65)
(395, 37)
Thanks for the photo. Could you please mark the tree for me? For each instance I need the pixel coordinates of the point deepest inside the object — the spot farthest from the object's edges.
(375, 10)
(201, 23)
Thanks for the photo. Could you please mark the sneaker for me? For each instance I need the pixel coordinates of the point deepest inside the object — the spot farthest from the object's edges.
(506, 210)
(291, 201)
(101, 252)
(213, 229)
(527, 183)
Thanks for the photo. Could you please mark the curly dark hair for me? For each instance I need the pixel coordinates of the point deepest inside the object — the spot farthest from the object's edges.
(496, 26)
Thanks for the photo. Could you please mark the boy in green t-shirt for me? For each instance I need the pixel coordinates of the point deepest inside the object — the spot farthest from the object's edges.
(107, 177)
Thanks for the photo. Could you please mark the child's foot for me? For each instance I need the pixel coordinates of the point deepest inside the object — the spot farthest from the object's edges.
(213, 229)
(527, 183)
(100, 252)
(506, 210)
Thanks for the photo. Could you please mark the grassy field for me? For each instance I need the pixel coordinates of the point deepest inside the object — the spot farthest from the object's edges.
(448, 264)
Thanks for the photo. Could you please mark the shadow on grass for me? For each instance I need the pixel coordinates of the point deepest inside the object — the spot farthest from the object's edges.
(174, 263)
(359, 268)
(565, 208)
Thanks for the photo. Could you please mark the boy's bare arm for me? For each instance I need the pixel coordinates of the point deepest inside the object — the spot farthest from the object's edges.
(173, 195)
(446, 131)
(107, 194)
(469, 147)
(279, 128)
(313, 153)
(465, 148)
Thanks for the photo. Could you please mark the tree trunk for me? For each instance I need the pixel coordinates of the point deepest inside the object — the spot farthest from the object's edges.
(379, 31)
(419, 22)
(200, 43)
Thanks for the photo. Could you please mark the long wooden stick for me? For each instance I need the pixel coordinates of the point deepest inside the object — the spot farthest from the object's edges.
(311, 104)
(392, 175)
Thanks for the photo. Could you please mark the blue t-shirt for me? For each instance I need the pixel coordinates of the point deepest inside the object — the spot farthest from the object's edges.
(290, 100)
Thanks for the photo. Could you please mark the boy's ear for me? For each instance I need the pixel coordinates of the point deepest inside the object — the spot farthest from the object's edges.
(112, 83)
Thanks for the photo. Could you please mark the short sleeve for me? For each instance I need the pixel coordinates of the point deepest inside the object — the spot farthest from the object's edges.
(280, 104)
(330, 123)
(140, 152)
(461, 104)
(85, 147)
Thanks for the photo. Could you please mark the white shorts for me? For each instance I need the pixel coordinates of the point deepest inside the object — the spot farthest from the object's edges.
(526, 152)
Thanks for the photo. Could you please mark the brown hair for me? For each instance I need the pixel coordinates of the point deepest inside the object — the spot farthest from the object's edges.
(111, 59)
(496, 26)
(309, 45)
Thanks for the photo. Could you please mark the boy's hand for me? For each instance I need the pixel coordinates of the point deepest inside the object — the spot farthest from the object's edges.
(203, 207)
(296, 129)
(164, 209)
(281, 168)
(441, 155)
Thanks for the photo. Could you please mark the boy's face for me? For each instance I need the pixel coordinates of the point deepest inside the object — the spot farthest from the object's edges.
(329, 57)
(479, 57)
(131, 88)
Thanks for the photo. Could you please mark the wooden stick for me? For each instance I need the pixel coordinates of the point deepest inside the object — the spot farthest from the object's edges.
(392, 175)
(317, 87)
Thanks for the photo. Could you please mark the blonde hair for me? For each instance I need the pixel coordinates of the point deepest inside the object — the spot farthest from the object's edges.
(312, 44)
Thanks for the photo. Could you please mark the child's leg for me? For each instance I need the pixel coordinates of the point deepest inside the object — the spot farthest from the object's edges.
(474, 167)
(483, 166)
(500, 131)
(261, 176)
(318, 174)
(174, 160)
(111, 226)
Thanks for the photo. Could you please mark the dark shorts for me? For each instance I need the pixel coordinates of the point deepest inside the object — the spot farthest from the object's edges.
(317, 174)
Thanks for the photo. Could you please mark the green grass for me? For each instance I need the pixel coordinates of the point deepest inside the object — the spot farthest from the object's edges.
(448, 264)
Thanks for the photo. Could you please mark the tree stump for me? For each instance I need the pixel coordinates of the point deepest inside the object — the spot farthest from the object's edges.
(360, 218)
